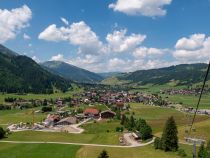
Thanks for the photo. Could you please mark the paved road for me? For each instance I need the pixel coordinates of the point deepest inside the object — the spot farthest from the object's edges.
(80, 144)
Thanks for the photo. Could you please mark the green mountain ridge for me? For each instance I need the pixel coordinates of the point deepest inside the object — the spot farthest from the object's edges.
(21, 74)
(184, 74)
(71, 72)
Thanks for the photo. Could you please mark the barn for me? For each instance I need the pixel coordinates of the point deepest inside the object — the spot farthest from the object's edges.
(107, 114)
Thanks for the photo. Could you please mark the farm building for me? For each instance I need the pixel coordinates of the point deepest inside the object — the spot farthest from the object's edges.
(91, 112)
(107, 114)
(67, 121)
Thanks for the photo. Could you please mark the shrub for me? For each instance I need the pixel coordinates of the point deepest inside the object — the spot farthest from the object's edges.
(182, 153)
(103, 154)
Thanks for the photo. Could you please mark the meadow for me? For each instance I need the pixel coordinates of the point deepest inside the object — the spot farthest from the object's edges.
(190, 100)
(17, 116)
(156, 116)
(8, 150)
(37, 150)
(29, 96)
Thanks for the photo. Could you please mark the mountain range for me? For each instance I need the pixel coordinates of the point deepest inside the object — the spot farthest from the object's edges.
(71, 72)
(21, 74)
(184, 74)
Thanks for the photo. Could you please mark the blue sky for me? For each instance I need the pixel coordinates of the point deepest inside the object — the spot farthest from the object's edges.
(108, 35)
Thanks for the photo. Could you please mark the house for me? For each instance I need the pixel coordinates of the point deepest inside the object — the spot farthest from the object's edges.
(67, 121)
(91, 112)
(107, 114)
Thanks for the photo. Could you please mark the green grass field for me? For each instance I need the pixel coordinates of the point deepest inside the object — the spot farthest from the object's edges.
(99, 138)
(17, 115)
(37, 151)
(190, 100)
(39, 96)
(140, 152)
(156, 116)
(101, 127)
(8, 150)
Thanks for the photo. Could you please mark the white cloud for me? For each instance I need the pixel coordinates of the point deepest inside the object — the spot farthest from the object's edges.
(196, 48)
(143, 52)
(36, 59)
(52, 33)
(195, 41)
(64, 21)
(12, 21)
(149, 8)
(78, 34)
(26, 37)
(58, 57)
(119, 42)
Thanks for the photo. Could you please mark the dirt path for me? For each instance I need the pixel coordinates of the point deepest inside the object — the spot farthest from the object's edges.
(80, 144)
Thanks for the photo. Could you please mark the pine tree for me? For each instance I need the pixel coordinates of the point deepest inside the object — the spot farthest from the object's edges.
(103, 154)
(157, 143)
(169, 136)
(132, 122)
(123, 119)
(208, 149)
(202, 152)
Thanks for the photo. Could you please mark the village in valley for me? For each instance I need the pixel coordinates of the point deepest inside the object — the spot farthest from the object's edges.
(94, 104)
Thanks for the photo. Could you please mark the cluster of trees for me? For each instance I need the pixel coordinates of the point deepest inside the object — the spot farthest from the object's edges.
(169, 139)
(10, 99)
(5, 107)
(204, 152)
(46, 109)
(2, 133)
(140, 125)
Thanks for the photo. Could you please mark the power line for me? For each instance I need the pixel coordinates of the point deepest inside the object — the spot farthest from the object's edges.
(204, 83)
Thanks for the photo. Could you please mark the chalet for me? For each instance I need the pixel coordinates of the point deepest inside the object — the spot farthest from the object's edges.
(91, 112)
(107, 114)
(67, 121)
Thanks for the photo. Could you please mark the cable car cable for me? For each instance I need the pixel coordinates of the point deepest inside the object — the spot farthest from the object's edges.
(204, 83)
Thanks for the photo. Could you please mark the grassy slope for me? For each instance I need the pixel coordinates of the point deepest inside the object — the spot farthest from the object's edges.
(37, 151)
(156, 116)
(142, 152)
(190, 100)
(40, 96)
(99, 138)
(69, 151)
(16, 116)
